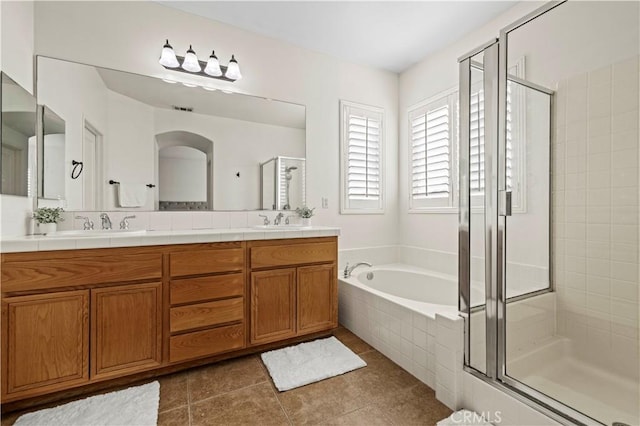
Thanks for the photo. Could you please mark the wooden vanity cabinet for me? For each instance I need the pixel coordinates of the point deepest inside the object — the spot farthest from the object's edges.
(293, 287)
(207, 304)
(45, 342)
(78, 317)
(126, 329)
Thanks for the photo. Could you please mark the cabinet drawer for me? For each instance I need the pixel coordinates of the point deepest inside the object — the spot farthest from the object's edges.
(206, 261)
(206, 288)
(54, 272)
(206, 314)
(205, 343)
(292, 254)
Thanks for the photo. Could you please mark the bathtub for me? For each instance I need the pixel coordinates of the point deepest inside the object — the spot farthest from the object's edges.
(399, 309)
(416, 289)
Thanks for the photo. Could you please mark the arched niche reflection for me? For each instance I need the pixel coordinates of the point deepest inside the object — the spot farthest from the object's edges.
(184, 171)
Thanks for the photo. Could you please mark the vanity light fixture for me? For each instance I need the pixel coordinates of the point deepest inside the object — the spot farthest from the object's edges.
(168, 57)
(192, 65)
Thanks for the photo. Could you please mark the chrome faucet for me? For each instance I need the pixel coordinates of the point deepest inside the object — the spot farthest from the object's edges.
(278, 219)
(266, 219)
(348, 270)
(124, 223)
(88, 223)
(106, 222)
(287, 221)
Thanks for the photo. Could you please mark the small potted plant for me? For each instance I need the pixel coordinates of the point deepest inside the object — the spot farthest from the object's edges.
(48, 218)
(305, 214)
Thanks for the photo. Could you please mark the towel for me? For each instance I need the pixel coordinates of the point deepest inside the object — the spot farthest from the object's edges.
(132, 194)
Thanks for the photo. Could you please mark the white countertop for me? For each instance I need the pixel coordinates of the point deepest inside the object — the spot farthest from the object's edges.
(153, 238)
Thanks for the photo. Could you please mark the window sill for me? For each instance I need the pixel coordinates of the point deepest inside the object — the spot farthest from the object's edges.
(434, 210)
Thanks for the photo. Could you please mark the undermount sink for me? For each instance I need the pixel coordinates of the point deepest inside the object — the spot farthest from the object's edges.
(96, 233)
(282, 227)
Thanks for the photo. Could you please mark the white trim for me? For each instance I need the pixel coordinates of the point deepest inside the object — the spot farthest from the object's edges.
(443, 204)
(360, 206)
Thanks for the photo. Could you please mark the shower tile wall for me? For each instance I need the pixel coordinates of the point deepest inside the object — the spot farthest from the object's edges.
(595, 213)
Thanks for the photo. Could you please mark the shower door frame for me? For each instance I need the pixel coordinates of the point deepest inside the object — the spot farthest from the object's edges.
(496, 210)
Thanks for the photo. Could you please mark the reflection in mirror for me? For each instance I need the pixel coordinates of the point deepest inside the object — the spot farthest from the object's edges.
(18, 138)
(143, 132)
(52, 160)
(283, 183)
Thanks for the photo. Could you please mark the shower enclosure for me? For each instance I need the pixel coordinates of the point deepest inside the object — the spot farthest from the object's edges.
(549, 211)
(283, 183)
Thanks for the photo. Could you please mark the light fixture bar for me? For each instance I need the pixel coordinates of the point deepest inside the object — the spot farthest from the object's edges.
(203, 65)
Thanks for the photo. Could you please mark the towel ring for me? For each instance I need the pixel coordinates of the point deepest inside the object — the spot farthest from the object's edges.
(78, 167)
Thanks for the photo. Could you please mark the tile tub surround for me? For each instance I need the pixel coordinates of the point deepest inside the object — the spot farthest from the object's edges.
(42, 242)
(240, 391)
(428, 347)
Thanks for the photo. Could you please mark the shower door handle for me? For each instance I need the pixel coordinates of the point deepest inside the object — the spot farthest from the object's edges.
(504, 200)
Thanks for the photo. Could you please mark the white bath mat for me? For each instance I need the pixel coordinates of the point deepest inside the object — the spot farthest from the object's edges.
(311, 362)
(133, 406)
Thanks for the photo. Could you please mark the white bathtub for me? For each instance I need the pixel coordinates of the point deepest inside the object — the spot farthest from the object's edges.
(399, 312)
(417, 289)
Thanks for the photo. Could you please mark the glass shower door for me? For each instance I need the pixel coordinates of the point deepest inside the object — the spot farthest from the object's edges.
(568, 164)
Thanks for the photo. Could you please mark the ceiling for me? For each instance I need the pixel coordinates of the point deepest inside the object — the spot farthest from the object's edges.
(160, 94)
(391, 35)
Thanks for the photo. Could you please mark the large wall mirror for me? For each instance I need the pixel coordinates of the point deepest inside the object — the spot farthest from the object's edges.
(18, 138)
(133, 141)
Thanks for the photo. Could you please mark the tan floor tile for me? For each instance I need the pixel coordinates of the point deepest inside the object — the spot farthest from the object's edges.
(321, 401)
(414, 406)
(225, 377)
(380, 377)
(175, 417)
(350, 340)
(255, 405)
(173, 391)
(367, 416)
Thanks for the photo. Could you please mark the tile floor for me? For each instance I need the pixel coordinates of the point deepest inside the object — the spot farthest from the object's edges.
(240, 391)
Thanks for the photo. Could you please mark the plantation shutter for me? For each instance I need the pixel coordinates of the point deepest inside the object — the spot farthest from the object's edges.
(476, 143)
(432, 129)
(362, 157)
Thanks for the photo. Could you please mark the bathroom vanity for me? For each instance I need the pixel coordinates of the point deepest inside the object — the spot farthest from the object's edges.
(76, 318)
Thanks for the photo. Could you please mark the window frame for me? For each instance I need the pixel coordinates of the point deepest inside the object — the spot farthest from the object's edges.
(443, 204)
(519, 196)
(348, 206)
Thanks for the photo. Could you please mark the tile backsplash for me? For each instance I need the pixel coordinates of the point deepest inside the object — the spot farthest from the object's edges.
(172, 221)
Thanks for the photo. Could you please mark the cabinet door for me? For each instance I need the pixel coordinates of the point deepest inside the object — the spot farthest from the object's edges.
(273, 305)
(45, 342)
(126, 329)
(317, 298)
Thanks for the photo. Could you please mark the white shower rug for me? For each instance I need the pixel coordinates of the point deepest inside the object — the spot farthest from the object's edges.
(133, 406)
(311, 362)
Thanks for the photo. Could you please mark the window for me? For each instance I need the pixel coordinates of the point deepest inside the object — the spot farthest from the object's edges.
(433, 145)
(514, 141)
(433, 129)
(362, 142)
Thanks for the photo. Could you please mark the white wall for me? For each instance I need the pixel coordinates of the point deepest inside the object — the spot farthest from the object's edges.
(129, 146)
(433, 75)
(16, 59)
(230, 153)
(182, 174)
(109, 34)
(56, 81)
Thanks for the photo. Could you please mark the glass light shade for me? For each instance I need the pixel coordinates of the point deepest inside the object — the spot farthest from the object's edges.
(168, 57)
(233, 70)
(213, 66)
(191, 63)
